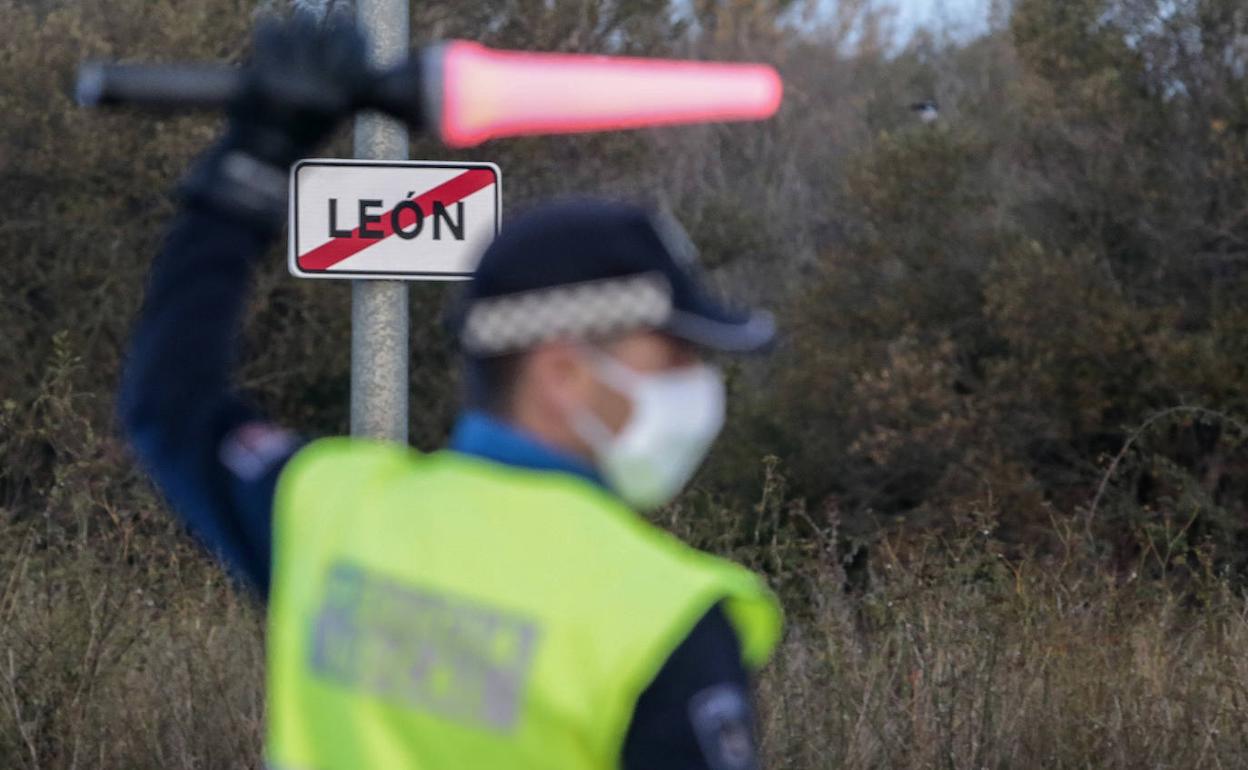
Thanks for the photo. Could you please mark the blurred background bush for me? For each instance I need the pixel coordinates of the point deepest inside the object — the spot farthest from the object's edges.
(996, 468)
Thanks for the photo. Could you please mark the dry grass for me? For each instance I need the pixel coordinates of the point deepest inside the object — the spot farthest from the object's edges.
(122, 646)
(951, 657)
(1035, 669)
(110, 665)
(951, 654)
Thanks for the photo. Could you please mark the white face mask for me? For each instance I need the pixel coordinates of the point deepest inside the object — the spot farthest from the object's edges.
(676, 416)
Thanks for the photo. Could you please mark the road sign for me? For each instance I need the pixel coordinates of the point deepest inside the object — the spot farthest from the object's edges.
(405, 220)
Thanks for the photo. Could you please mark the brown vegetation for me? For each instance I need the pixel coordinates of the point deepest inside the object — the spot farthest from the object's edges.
(996, 470)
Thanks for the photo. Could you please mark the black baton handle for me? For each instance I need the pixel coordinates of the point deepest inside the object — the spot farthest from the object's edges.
(397, 92)
(167, 86)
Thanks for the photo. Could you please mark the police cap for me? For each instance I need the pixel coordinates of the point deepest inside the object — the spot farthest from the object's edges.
(585, 269)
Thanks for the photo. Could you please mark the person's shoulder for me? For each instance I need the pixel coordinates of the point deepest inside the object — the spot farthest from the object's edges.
(352, 450)
(340, 462)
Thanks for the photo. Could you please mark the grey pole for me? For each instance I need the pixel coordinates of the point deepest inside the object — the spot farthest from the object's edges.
(379, 309)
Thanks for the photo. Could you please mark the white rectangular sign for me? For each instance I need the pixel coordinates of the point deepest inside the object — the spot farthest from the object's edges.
(405, 220)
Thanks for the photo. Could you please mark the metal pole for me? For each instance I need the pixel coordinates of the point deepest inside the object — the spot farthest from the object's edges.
(379, 309)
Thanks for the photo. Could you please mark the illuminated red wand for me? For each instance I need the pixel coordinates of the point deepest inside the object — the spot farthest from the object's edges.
(467, 93)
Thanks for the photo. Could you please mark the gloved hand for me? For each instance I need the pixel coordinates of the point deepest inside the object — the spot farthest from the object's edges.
(302, 80)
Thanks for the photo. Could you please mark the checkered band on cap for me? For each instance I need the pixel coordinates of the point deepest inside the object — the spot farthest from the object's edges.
(514, 322)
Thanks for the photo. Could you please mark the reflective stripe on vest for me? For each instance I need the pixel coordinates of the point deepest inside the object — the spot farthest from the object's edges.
(441, 611)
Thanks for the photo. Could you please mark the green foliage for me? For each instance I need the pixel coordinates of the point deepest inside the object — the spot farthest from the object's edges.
(1017, 290)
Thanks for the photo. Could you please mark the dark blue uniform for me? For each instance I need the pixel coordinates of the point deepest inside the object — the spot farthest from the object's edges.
(217, 460)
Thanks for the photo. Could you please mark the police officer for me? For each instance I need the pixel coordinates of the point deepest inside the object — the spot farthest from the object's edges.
(498, 604)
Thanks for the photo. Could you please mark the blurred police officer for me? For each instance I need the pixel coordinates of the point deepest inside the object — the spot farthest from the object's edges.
(498, 604)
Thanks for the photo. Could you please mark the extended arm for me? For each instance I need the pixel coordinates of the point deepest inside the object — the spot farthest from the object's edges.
(212, 455)
(209, 451)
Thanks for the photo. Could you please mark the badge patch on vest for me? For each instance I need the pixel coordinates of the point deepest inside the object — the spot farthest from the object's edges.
(721, 721)
(427, 650)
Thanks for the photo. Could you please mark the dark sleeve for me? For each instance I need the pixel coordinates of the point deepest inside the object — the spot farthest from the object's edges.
(212, 455)
(696, 714)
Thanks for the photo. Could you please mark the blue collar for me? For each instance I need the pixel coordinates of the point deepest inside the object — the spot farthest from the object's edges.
(482, 435)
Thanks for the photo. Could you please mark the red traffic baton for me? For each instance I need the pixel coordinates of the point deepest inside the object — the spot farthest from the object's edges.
(467, 93)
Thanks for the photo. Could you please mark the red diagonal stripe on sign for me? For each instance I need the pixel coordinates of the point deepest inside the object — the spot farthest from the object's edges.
(453, 190)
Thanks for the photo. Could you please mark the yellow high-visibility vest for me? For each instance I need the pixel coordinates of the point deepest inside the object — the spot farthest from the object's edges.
(443, 611)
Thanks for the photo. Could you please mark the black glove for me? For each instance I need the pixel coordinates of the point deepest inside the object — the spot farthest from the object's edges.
(302, 80)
